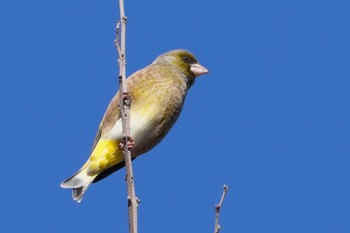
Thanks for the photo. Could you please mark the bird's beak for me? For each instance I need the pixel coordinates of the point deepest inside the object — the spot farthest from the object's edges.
(198, 69)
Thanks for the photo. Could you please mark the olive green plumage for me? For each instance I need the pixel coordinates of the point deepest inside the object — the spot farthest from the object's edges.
(158, 92)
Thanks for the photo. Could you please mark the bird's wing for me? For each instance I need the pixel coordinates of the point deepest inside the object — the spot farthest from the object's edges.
(97, 138)
(111, 116)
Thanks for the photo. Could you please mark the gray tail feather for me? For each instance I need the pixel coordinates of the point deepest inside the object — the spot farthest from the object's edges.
(79, 183)
(78, 193)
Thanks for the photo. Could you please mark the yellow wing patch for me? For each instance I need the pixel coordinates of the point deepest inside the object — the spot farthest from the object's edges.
(106, 154)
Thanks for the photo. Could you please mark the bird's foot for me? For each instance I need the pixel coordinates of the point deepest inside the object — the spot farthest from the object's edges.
(126, 99)
(129, 141)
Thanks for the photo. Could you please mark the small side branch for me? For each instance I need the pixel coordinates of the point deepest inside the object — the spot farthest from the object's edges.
(217, 227)
(124, 105)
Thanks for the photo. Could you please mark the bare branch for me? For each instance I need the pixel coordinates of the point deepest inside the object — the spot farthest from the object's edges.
(217, 227)
(125, 104)
(116, 41)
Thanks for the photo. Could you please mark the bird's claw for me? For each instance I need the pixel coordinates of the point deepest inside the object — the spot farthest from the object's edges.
(126, 99)
(129, 141)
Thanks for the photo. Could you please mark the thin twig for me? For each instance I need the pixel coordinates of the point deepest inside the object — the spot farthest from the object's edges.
(116, 41)
(125, 103)
(217, 227)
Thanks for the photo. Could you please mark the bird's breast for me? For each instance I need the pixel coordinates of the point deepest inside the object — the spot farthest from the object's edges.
(156, 105)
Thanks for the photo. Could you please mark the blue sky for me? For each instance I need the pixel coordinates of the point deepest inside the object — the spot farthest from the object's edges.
(271, 119)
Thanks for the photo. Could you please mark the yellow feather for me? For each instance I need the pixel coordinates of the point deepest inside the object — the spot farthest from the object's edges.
(106, 154)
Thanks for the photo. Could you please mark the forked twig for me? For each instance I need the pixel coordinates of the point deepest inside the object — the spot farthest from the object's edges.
(217, 227)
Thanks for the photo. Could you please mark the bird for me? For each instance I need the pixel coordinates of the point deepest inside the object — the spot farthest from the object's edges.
(157, 94)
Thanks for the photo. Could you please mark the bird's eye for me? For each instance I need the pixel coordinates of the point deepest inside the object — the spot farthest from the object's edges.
(185, 58)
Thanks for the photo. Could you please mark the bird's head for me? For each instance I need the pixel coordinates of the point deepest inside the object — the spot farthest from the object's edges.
(185, 62)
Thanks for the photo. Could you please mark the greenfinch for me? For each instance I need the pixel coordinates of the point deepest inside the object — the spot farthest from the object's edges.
(158, 92)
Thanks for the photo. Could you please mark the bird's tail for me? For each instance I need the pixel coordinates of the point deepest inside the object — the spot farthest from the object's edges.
(79, 183)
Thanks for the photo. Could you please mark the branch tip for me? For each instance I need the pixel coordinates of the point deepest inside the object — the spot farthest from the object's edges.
(217, 227)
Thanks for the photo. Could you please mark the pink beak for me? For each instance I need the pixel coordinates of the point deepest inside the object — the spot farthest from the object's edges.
(198, 70)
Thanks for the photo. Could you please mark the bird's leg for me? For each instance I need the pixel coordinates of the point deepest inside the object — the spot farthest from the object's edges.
(129, 141)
